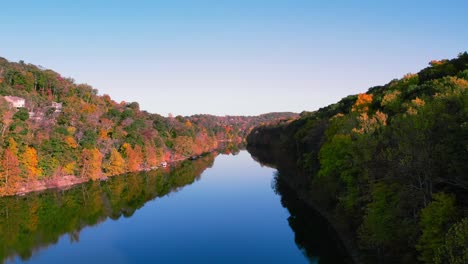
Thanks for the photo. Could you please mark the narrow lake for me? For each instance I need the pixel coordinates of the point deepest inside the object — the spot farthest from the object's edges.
(217, 209)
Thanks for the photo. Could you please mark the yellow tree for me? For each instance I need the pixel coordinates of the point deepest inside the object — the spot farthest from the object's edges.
(116, 164)
(29, 162)
(91, 160)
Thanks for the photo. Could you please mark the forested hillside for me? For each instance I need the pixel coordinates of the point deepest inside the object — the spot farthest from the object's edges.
(53, 128)
(389, 165)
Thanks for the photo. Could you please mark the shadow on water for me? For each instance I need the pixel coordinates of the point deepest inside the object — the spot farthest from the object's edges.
(314, 235)
(37, 220)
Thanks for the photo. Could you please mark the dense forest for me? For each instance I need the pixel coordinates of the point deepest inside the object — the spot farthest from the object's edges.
(389, 167)
(53, 129)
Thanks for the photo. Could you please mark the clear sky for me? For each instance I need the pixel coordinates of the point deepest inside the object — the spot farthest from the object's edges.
(232, 57)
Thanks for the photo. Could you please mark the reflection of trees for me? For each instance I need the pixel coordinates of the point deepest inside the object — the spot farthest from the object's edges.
(313, 234)
(36, 220)
(228, 148)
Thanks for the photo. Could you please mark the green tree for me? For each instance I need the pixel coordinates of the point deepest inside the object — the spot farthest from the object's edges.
(434, 223)
(455, 247)
(22, 114)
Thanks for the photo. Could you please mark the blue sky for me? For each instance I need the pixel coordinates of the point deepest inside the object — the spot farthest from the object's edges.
(232, 57)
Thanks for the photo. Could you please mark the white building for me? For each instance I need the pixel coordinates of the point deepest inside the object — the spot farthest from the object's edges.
(15, 101)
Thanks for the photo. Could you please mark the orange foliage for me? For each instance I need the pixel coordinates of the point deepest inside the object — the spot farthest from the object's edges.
(103, 134)
(30, 161)
(418, 102)
(71, 142)
(10, 164)
(203, 143)
(88, 108)
(138, 157)
(437, 62)
(362, 103)
(152, 156)
(134, 157)
(91, 163)
(370, 124)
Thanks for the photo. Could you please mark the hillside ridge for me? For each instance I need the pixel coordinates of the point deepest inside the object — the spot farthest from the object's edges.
(389, 166)
(54, 132)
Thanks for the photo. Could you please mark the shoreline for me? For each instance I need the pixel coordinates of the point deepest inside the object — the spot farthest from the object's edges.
(68, 181)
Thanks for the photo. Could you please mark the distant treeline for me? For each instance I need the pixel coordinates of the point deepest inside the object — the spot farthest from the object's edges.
(391, 164)
(51, 127)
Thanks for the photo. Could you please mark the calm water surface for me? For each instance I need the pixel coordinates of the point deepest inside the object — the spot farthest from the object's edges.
(218, 209)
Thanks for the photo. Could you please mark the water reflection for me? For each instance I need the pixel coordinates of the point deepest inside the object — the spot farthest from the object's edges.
(231, 216)
(313, 234)
(37, 220)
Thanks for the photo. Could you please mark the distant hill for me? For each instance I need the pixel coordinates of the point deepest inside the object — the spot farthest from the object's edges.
(389, 166)
(52, 127)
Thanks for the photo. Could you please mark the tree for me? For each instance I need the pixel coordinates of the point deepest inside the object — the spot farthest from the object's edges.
(152, 155)
(435, 221)
(10, 167)
(134, 157)
(455, 247)
(362, 103)
(116, 164)
(381, 226)
(183, 146)
(22, 114)
(91, 160)
(30, 162)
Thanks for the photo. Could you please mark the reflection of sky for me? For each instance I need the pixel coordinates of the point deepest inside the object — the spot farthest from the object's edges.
(231, 215)
(232, 57)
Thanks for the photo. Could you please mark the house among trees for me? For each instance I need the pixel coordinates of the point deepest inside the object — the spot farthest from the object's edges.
(15, 101)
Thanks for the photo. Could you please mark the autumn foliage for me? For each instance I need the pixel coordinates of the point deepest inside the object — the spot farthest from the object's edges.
(91, 160)
(67, 129)
(115, 165)
(10, 174)
(30, 163)
(134, 157)
(362, 103)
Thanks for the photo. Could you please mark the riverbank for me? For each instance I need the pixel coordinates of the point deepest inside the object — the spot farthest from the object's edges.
(68, 181)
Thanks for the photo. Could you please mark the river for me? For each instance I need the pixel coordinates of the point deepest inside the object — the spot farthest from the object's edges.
(217, 209)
